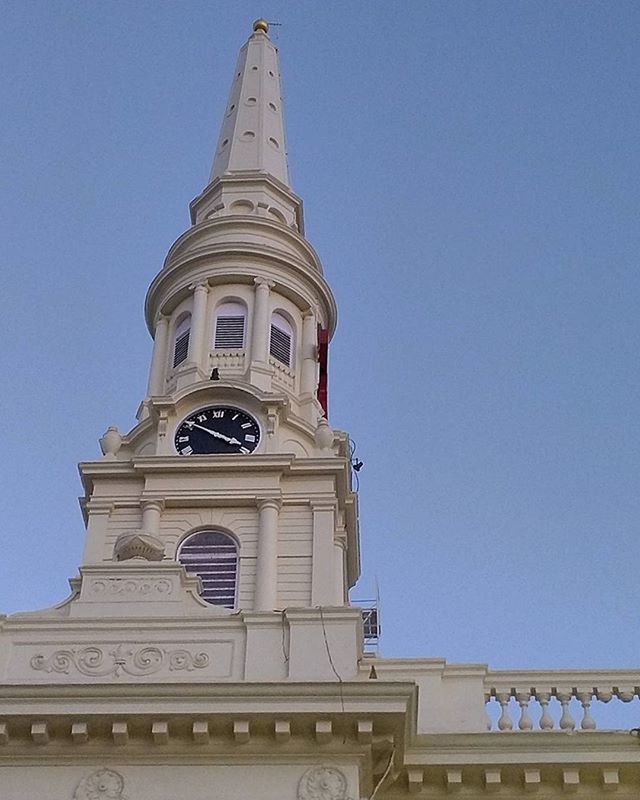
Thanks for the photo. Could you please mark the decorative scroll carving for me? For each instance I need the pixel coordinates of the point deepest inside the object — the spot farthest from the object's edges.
(138, 544)
(105, 784)
(94, 662)
(323, 783)
(132, 586)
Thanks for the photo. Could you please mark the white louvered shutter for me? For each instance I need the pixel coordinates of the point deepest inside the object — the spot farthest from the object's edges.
(181, 346)
(230, 321)
(281, 339)
(213, 557)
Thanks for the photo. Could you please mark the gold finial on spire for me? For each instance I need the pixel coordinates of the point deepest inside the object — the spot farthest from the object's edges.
(261, 25)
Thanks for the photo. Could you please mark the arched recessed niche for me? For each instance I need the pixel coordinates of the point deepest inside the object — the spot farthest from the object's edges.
(275, 212)
(242, 207)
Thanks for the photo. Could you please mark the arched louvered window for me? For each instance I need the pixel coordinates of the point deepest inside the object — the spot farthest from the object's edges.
(181, 340)
(213, 556)
(281, 339)
(229, 329)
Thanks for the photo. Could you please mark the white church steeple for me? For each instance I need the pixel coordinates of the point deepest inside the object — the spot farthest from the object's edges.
(252, 137)
(250, 173)
(233, 456)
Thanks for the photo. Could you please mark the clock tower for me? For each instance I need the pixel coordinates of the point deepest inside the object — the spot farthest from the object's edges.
(233, 482)
(208, 648)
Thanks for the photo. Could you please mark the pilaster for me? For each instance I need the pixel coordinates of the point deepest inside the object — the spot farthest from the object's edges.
(159, 357)
(97, 525)
(308, 380)
(151, 514)
(266, 591)
(198, 323)
(323, 579)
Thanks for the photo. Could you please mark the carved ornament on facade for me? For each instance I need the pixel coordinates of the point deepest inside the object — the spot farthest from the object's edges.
(105, 784)
(110, 587)
(95, 662)
(138, 544)
(323, 783)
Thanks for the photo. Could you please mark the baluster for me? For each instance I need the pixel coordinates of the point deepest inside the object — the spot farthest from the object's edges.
(504, 723)
(604, 695)
(588, 723)
(525, 723)
(546, 720)
(625, 694)
(487, 700)
(566, 720)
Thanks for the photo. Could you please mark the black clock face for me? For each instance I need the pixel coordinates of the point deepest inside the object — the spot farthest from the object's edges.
(217, 430)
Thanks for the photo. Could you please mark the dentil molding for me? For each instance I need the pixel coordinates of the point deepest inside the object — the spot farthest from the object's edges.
(323, 783)
(95, 662)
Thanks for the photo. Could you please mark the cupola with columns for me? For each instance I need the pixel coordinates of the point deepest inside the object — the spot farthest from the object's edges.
(233, 469)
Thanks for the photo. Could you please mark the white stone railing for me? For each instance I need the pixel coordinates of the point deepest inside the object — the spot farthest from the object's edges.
(232, 361)
(282, 373)
(562, 700)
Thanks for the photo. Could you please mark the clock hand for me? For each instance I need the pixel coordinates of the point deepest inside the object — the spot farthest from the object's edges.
(213, 433)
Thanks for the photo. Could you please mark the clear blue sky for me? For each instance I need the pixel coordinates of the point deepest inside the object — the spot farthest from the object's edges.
(470, 179)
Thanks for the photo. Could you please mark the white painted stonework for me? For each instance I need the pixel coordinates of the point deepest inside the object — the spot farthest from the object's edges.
(137, 688)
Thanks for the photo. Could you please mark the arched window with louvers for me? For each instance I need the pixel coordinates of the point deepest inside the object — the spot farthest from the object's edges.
(181, 340)
(229, 326)
(281, 339)
(213, 556)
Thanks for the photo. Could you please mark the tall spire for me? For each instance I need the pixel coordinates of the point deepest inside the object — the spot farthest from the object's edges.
(252, 137)
(250, 176)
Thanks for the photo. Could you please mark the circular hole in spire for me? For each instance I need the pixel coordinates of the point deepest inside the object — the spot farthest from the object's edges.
(273, 106)
(274, 143)
(225, 142)
(232, 108)
(254, 68)
(251, 101)
(247, 136)
(271, 75)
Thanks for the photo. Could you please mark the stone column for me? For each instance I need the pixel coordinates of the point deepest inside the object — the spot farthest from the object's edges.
(266, 591)
(151, 511)
(159, 357)
(309, 355)
(260, 327)
(198, 323)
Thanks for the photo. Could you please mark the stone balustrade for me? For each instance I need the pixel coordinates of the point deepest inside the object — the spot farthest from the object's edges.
(562, 700)
(232, 361)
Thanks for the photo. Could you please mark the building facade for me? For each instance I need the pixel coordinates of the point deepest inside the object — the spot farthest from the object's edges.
(208, 648)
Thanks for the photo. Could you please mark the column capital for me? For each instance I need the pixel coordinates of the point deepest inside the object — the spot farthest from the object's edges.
(264, 283)
(163, 319)
(156, 504)
(199, 286)
(269, 502)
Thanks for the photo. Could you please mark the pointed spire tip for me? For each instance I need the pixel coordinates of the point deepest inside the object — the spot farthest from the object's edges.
(261, 25)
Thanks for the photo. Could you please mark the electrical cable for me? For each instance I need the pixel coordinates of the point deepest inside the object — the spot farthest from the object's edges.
(284, 650)
(335, 671)
(385, 774)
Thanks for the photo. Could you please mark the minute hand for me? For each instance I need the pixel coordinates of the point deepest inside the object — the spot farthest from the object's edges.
(217, 434)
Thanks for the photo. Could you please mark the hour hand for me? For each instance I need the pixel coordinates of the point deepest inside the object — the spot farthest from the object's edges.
(217, 434)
